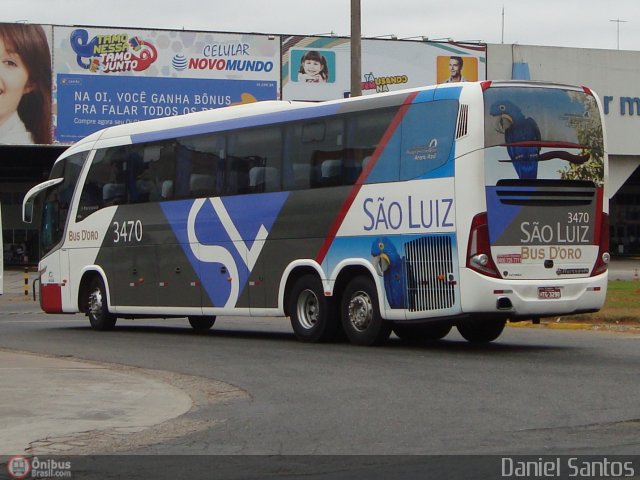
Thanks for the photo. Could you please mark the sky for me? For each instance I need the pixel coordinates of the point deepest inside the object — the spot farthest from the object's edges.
(563, 23)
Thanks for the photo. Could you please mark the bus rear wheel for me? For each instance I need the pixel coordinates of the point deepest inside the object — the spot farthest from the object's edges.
(361, 319)
(97, 309)
(418, 333)
(481, 330)
(313, 315)
(202, 323)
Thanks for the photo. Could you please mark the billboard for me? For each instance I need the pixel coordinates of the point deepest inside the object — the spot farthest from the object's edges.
(25, 80)
(318, 68)
(109, 76)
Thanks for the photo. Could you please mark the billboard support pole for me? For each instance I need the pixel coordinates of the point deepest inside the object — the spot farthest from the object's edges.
(356, 49)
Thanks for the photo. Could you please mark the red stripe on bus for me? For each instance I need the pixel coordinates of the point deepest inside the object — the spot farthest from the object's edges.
(337, 223)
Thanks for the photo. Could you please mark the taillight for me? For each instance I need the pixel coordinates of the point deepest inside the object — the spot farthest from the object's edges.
(479, 250)
(602, 262)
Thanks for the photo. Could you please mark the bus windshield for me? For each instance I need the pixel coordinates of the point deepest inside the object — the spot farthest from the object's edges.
(549, 133)
(57, 201)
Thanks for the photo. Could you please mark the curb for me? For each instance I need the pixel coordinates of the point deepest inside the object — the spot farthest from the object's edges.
(601, 327)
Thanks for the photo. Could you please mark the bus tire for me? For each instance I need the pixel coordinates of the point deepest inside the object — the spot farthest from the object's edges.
(481, 330)
(421, 333)
(201, 323)
(97, 308)
(313, 315)
(361, 319)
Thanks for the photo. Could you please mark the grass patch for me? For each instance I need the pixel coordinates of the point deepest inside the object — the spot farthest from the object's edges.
(621, 306)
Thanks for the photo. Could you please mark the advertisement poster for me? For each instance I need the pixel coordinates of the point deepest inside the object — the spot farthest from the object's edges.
(25, 80)
(107, 77)
(318, 68)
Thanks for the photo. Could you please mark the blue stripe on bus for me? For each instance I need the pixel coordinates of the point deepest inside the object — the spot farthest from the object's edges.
(248, 214)
(449, 93)
(499, 222)
(425, 96)
(243, 122)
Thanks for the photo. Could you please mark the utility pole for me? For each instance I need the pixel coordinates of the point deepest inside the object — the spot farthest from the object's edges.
(502, 23)
(356, 49)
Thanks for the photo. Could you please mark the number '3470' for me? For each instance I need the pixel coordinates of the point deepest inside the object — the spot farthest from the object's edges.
(127, 231)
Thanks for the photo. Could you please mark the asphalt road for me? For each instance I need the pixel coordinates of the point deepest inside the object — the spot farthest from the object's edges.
(532, 392)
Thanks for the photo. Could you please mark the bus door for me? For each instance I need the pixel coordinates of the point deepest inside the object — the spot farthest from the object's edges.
(178, 282)
(56, 205)
(131, 262)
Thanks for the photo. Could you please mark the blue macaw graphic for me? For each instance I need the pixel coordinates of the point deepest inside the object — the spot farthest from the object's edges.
(519, 129)
(390, 265)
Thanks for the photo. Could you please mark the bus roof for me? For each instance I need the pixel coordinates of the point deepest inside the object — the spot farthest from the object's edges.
(236, 116)
(155, 129)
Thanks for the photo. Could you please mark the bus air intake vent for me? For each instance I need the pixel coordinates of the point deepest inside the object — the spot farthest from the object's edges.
(545, 192)
(463, 118)
(429, 267)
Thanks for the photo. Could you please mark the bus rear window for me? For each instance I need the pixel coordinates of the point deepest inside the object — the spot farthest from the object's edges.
(543, 133)
(549, 115)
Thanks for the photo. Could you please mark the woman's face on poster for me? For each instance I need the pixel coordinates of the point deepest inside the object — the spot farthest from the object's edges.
(14, 81)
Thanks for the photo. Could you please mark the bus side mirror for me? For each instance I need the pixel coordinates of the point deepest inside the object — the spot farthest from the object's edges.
(29, 198)
(27, 211)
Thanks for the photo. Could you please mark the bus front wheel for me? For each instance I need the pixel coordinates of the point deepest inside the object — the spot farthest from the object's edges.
(97, 308)
(361, 319)
(313, 316)
(481, 330)
(202, 324)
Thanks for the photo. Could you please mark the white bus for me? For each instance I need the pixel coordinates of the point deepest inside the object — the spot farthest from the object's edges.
(460, 205)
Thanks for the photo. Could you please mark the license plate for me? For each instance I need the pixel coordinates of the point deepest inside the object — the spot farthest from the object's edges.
(549, 293)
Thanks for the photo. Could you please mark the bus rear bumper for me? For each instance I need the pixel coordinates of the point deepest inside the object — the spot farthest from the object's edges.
(523, 299)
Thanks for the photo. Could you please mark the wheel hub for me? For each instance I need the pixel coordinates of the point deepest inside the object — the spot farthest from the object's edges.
(360, 311)
(308, 309)
(95, 303)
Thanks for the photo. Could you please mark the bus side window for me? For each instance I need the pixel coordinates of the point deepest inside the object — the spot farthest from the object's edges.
(184, 158)
(315, 154)
(165, 170)
(296, 169)
(236, 176)
(203, 170)
(92, 196)
(428, 138)
(364, 134)
(253, 161)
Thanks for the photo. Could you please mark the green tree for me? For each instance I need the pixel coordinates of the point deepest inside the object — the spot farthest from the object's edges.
(589, 133)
